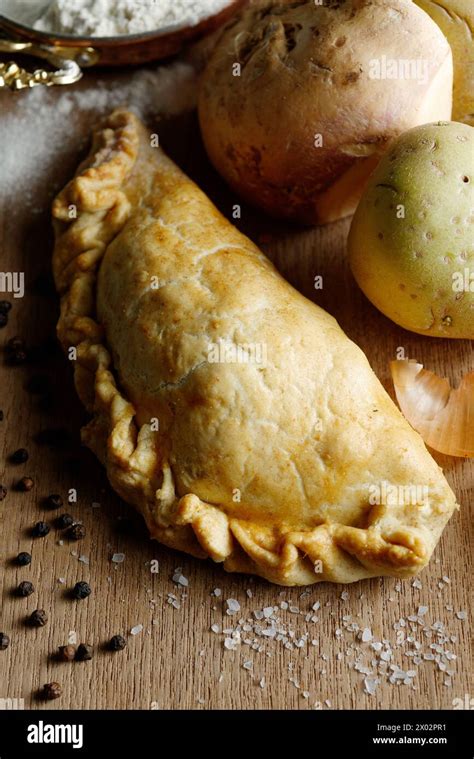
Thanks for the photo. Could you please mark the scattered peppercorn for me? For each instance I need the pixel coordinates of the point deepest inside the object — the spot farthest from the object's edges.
(25, 588)
(3, 320)
(76, 532)
(14, 344)
(67, 653)
(40, 530)
(84, 652)
(20, 456)
(117, 643)
(4, 641)
(16, 351)
(52, 691)
(38, 618)
(53, 501)
(23, 559)
(3, 492)
(81, 590)
(63, 521)
(5, 306)
(25, 484)
(1, 416)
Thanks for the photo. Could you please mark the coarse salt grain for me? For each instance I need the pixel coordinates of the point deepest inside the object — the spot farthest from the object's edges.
(136, 630)
(233, 606)
(38, 141)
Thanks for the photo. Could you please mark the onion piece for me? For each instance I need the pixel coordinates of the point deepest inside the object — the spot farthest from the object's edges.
(444, 417)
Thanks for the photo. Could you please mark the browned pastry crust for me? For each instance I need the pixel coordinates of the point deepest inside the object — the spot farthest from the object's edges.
(265, 467)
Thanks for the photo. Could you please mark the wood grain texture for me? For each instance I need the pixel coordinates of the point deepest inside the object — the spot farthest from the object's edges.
(177, 661)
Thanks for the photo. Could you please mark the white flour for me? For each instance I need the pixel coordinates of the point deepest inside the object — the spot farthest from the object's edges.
(109, 18)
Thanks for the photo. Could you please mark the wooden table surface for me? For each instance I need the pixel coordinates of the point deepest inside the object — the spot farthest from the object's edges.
(177, 661)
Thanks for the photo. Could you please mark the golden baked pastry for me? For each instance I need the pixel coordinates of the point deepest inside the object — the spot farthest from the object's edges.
(277, 444)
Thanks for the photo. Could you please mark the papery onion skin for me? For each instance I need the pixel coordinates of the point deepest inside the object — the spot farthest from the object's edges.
(443, 416)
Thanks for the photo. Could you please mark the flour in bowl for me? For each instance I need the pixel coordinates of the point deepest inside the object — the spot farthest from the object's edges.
(109, 18)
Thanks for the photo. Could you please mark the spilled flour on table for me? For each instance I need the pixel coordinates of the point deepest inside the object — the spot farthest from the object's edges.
(48, 124)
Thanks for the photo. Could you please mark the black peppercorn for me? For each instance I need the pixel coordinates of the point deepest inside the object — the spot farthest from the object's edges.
(63, 521)
(52, 691)
(81, 590)
(117, 643)
(76, 532)
(38, 618)
(84, 652)
(25, 484)
(25, 588)
(5, 306)
(16, 351)
(3, 320)
(19, 456)
(3, 492)
(40, 530)
(4, 641)
(67, 653)
(23, 559)
(53, 501)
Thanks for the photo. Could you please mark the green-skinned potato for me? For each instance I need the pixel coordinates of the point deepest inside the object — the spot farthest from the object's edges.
(411, 242)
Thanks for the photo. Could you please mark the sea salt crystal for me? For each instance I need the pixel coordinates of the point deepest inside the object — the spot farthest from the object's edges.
(461, 614)
(247, 665)
(422, 610)
(137, 629)
(371, 685)
(179, 578)
(217, 592)
(233, 606)
(118, 558)
(366, 635)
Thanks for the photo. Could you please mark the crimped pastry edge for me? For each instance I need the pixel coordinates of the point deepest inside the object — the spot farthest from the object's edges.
(329, 552)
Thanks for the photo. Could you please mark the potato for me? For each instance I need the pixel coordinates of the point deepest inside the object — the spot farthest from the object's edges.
(411, 242)
(455, 18)
(300, 100)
